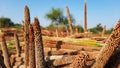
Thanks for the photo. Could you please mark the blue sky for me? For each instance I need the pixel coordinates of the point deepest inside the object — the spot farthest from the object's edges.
(99, 11)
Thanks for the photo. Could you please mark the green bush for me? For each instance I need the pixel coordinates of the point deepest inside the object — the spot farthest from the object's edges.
(5, 22)
(51, 27)
(97, 29)
(109, 31)
(17, 25)
(80, 28)
(94, 30)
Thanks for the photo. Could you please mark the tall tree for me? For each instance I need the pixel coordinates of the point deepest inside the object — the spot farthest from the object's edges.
(69, 20)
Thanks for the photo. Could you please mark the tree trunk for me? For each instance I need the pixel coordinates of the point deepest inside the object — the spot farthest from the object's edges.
(109, 48)
(26, 34)
(5, 52)
(39, 52)
(31, 48)
(17, 44)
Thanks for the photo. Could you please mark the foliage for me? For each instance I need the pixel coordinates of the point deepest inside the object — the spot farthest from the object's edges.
(17, 25)
(109, 31)
(94, 30)
(97, 28)
(80, 28)
(57, 17)
(5, 22)
(54, 27)
(10, 43)
(51, 27)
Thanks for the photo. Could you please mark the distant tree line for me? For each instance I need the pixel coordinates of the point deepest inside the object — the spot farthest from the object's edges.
(58, 20)
(98, 29)
(6, 22)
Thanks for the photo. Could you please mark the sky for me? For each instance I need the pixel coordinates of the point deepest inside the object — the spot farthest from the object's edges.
(106, 12)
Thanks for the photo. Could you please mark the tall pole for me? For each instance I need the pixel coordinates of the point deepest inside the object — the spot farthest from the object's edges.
(26, 34)
(39, 49)
(85, 16)
(111, 44)
(69, 20)
(31, 47)
(104, 29)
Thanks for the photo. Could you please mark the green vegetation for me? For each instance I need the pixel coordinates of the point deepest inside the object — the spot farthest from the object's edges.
(77, 41)
(97, 28)
(6, 22)
(16, 25)
(10, 44)
(55, 15)
(109, 31)
(80, 28)
(57, 18)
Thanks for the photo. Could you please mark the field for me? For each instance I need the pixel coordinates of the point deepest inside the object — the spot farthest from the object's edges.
(32, 46)
(57, 50)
